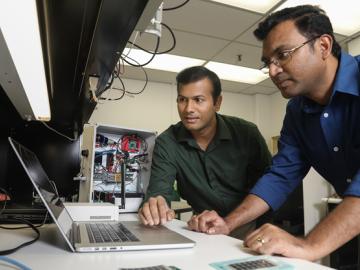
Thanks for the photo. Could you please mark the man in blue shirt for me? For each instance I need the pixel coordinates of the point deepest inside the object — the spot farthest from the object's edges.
(321, 129)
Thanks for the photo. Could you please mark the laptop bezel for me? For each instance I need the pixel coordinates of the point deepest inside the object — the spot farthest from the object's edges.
(12, 143)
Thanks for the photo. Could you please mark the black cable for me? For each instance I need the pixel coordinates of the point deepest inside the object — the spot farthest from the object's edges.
(179, 6)
(108, 85)
(112, 99)
(152, 57)
(12, 250)
(122, 83)
(163, 52)
(123, 90)
(146, 78)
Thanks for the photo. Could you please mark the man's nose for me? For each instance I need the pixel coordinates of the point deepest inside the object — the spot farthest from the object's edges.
(189, 106)
(274, 69)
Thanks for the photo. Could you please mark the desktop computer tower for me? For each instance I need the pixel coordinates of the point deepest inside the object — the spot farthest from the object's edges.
(115, 165)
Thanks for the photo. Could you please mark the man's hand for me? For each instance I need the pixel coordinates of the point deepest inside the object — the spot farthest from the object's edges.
(155, 211)
(208, 222)
(269, 239)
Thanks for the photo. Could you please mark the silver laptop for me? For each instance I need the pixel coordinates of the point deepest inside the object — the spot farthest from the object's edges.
(95, 236)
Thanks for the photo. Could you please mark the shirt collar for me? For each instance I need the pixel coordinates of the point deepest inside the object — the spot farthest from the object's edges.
(310, 106)
(347, 71)
(222, 132)
(344, 83)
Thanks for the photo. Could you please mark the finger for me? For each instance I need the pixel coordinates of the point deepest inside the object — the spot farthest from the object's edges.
(153, 206)
(218, 226)
(251, 237)
(258, 242)
(162, 208)
(212, 230)
(193, 223)
(189, 223)
(204, 221)
(263, 245)
(142, 217)
(145, 212)
(170, 214)
(209, 219)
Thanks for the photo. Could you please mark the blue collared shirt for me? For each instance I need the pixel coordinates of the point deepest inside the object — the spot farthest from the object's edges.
(326, 138)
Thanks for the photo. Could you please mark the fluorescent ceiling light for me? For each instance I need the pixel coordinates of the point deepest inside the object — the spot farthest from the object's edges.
(167, 62)
(237, 73)
(174, 63)
(260, 6)
(344, 16)
(20, 30)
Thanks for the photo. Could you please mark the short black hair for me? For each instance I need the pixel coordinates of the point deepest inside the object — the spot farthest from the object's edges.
(197, 73)
(310, 20)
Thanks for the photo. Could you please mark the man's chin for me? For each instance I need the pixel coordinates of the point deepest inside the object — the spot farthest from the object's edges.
(287, 93)
(190, 127)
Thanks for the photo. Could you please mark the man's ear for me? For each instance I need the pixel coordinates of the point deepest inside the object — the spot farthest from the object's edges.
(326, 43)
(218, 103)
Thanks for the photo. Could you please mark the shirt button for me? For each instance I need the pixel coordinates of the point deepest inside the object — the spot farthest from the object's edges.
(336, 148)
(348, 180)
(326, 115)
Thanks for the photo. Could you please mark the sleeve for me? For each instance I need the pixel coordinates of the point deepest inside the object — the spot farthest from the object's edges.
(287, 170)
(163, 171)
(260, 157)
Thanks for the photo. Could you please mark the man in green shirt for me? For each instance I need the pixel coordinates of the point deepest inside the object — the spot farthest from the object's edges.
(214, 158)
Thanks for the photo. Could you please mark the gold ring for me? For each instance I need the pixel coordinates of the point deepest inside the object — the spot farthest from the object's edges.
(260, 240)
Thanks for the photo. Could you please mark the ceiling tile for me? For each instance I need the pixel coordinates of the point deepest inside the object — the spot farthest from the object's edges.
(198, 46)
(187, 44)
(249, 38)
(339, 37)
(249, 55)
(153, 75)
(209, 18)
(235, 87)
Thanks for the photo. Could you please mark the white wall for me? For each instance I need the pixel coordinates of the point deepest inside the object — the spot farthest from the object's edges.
(278, 107)
(262, 116)
(155, 109)
(152, 110)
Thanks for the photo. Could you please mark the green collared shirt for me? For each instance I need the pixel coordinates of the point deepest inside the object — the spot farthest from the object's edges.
(216, 179)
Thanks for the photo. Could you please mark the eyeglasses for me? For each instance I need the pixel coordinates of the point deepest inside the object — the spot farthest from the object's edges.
(282, 57)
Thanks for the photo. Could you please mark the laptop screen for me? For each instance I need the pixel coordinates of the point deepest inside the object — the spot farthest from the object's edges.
(46, 190)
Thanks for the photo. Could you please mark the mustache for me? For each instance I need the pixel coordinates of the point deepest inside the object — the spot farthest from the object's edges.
(280, 78)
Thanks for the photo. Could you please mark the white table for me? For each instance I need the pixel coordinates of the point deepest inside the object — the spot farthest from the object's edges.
(51, 252)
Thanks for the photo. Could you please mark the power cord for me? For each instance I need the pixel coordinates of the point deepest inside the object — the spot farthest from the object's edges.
(12, 250)
(179, 6)
(117, 75)
(152, 57)
(59, 133)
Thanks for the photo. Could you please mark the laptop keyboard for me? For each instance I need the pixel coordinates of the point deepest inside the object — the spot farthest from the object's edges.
(109, 232)
(256, 264)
